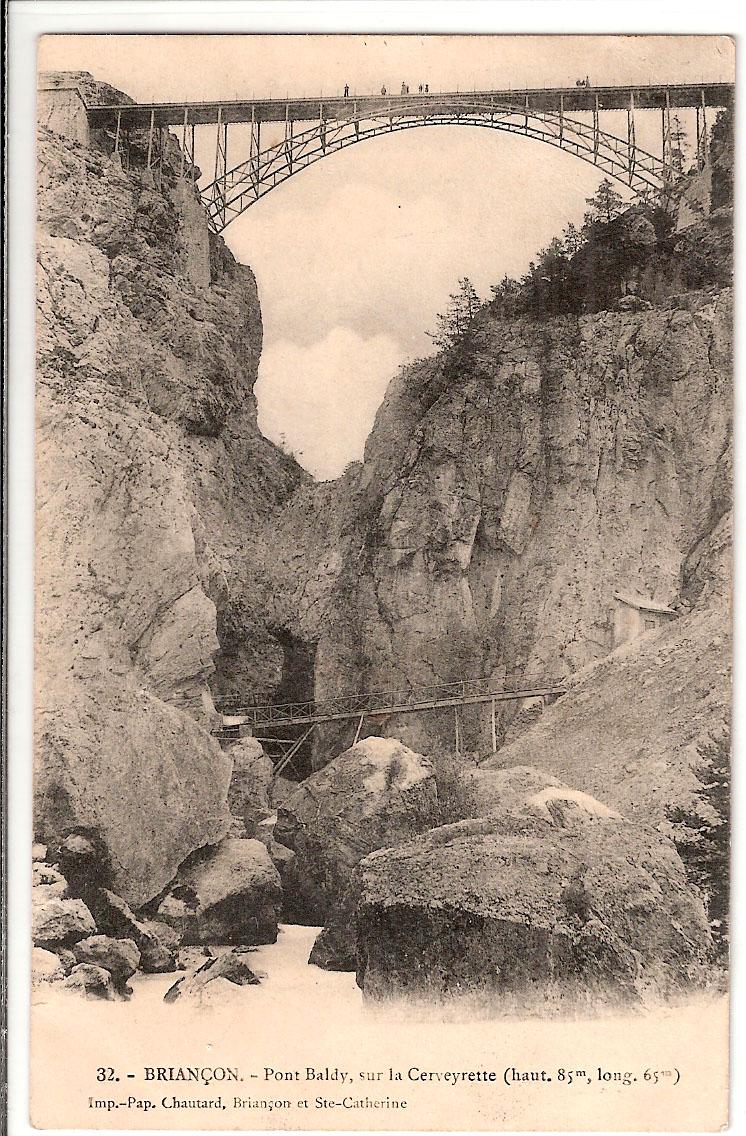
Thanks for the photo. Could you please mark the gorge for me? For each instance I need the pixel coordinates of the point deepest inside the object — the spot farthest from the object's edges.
(514, 486)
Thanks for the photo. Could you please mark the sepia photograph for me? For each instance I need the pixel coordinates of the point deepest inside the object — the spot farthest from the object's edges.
(382, 582)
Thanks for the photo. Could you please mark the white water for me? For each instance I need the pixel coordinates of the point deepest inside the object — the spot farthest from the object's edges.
(289, 981)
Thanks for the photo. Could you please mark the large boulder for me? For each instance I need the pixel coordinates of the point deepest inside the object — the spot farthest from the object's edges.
(156, 942)
(57, 921)
(491, 789)
(45, 967)
(554, 900)
(92, 982)
(376, 794)
(237, 895)
(119, 956)
(50, 879)
(248, 792)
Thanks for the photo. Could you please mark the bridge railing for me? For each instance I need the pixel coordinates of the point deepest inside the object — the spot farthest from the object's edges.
(351, 703)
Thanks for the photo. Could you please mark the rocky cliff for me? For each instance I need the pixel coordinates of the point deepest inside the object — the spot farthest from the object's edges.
(511, 487)
(152, 485)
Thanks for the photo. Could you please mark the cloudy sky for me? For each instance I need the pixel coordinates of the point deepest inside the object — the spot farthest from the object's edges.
(356, 255)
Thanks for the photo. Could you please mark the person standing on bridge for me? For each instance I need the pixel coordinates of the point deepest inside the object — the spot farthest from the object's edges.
(427, 88)
(347, 90)
(404, 88)
(419, 89)
(383, 89)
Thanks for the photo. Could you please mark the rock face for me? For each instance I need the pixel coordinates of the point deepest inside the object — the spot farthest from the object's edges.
(552, 900)
(509, 490)
(633, 727)
(376, 794)
(152, 483)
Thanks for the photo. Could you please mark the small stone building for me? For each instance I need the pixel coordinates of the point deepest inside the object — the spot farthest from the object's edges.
(634, 615)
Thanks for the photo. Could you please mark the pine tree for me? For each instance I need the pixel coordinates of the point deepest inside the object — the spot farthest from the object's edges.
(702, 836)
(605, 205)
(572, 240)
(462, 307)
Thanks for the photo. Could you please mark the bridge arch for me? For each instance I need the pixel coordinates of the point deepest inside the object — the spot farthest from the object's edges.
(235, 190)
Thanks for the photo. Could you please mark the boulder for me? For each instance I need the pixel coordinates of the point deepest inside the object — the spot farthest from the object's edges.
(119, 956)
(92, 982)
(238, 894)
(633, 303)
(67, 958)
(159, 945)
(553, 900)
(84, 861)
(59, 921)
(376, 794)
(500, 788)
(190, 958)
(45, 967)
(155, 956)
(51, 879)
(178, 910)
(231, 967)
(248, 792)
(280, 789)
(114, 917)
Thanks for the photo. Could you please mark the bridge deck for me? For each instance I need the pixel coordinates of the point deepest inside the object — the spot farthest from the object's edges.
(307, 714)
(578, 99)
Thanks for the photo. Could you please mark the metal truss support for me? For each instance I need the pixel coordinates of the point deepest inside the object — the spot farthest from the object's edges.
(235, 190)
(702, 140)
(187, 147)
(221, 165)
(288, 138)
(359, 728)
(255, 145)
(631, 144)
(118, 132)
(286, 759)
(666, 140)
(457, 723)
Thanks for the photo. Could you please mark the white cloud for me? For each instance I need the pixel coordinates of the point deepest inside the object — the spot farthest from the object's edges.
(320, 400)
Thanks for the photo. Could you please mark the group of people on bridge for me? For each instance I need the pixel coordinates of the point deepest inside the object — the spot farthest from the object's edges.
(423, 89)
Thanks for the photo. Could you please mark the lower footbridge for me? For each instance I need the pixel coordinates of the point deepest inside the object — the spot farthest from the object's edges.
(243, 716)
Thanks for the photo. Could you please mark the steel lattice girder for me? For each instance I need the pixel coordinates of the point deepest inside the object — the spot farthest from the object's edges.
(246, 183)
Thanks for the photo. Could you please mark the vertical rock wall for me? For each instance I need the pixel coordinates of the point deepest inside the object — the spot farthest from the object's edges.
(153, 483)
(508, 491)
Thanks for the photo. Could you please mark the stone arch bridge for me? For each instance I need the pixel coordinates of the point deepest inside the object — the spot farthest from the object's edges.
(574, 119)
